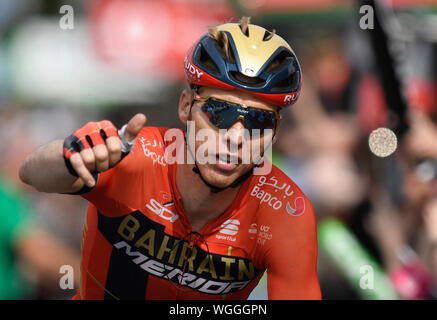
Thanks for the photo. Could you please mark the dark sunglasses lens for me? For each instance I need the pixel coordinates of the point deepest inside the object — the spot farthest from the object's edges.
(223, 115)
(262, 120)
(220, 113)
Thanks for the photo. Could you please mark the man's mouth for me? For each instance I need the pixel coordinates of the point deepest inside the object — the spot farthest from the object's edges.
(227, 162)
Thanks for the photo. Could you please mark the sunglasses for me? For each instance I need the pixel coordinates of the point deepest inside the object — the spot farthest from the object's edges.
(223, 114)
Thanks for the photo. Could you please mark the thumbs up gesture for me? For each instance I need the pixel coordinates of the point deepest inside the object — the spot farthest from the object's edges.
(98, 146)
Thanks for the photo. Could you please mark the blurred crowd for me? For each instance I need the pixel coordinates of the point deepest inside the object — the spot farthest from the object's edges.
(377, 216)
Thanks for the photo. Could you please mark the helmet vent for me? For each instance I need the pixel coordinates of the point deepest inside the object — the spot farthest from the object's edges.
(206, 62)
(245, 80)
(287, 83)
(285, 60)
(279, 62)
(245, 29)
(268, 35)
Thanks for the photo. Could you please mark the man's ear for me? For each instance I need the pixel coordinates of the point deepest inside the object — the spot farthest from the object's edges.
(277, 131)
(184, 106)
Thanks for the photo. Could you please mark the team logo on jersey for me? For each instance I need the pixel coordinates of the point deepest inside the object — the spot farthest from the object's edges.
(278, 196)
(229, 229)
(141, 241)
(264, 234)
(156, 158)
(253, 230)
(299, 207)
(162, 210)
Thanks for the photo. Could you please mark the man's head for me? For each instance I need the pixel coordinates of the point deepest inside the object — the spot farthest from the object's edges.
(248, 58)
(240, 76)
(224, 155)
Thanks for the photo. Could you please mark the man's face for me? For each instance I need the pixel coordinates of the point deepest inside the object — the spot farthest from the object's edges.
(227, 156)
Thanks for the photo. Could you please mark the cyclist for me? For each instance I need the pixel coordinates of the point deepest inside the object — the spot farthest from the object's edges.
(157, 229)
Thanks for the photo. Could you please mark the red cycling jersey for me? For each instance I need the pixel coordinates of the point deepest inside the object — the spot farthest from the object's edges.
(138, 243)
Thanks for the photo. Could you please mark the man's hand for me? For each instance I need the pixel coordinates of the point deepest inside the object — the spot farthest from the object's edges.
(97, 147)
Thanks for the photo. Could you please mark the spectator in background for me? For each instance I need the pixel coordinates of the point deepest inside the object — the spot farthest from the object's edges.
(14, 223)
(323, 132)
(26, 247)
(39, 232)
(419, 169)
(317, 146)
(403, 226)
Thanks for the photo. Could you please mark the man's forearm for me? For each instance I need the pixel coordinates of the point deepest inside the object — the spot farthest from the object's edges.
(45, 170)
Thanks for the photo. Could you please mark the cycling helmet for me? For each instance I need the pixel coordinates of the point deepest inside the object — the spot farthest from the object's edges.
(252, 60)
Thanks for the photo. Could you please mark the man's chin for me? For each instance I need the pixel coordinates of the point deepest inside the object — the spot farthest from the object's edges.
(223, 177)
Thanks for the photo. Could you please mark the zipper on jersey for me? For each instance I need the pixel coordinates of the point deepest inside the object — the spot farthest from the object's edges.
(192, 241)
(193, 238)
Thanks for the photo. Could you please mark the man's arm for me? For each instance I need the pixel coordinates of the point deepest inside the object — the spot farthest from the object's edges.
(45, 168)
(292, 257)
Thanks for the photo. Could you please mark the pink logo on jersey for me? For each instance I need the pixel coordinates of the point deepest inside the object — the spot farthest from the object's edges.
(299, 207)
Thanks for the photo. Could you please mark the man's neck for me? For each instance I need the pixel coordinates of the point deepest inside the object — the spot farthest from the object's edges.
(200, 204)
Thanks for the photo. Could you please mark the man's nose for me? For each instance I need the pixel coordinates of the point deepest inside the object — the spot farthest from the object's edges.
(238, 125)
(235, 134)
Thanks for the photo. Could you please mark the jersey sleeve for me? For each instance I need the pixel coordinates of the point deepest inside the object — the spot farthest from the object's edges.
(290, 249)
(292, 271)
